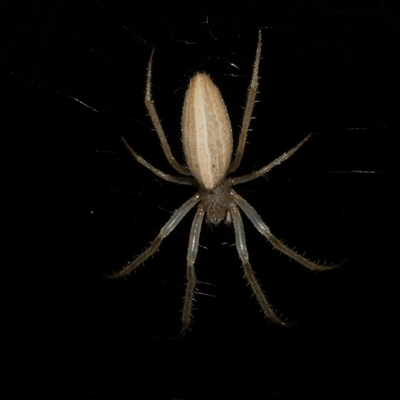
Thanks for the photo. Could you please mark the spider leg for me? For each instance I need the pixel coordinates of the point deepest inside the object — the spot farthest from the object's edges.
(268, 167)
(190, 273)
(264, 230)
(170, 178)
(248, 271)
(171, 224)
(151, 108)
(248, 110)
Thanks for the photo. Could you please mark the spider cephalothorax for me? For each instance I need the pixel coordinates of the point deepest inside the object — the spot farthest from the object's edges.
(216, 201)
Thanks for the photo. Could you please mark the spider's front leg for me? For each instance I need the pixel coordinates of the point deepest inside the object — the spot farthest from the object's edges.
(190, 272)
(248, 271)
(260, 225)
(171, 224)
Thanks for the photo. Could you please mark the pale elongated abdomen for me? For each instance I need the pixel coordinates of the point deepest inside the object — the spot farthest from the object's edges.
(206, 132)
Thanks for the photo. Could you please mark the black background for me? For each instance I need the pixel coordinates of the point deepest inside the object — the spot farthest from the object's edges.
(76, 205)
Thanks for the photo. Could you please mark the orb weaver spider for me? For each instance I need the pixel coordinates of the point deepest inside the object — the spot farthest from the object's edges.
(207, 145)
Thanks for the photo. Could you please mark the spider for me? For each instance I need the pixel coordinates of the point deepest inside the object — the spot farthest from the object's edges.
(207, 145)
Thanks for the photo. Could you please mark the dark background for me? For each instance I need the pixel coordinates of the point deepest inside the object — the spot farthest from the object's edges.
(76, 205)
